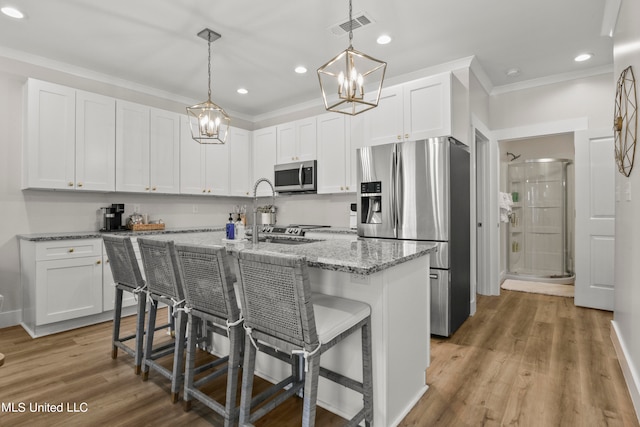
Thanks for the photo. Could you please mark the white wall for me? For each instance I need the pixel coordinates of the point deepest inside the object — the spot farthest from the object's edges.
(627, 236)
(37, 211)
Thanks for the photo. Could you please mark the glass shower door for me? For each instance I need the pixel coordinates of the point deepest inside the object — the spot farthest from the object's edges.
(538, 228)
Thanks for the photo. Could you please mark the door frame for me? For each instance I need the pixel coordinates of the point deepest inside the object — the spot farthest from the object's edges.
(541, 129)
(487, 237)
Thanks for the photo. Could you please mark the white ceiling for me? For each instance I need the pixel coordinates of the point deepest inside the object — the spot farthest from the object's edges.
(154, 42)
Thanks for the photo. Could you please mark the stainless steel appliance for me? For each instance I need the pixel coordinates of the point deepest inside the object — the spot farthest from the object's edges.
(297, 177)
(419, 190)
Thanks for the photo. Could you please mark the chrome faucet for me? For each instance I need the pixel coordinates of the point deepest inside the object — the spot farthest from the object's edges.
(254, 234)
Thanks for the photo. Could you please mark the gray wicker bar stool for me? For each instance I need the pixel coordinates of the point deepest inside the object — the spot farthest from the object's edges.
(163, 286)
(282, 315)
(127, 278)
(211, 299)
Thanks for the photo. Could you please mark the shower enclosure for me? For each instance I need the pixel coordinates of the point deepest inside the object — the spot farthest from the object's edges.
(539, 229)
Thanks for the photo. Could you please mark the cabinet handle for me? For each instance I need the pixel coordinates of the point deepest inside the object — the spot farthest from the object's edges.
(341, 188)
(70, 250)
(106, 262)
(209, 191)
(98, 262)
(153, 189)
(399, 137)
(146, 188)
(347, 187)
(70, 184)
(204, 190)
(406, 135)
(79, 184)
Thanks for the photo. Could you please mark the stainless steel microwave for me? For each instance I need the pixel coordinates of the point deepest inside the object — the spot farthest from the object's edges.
(298, 177)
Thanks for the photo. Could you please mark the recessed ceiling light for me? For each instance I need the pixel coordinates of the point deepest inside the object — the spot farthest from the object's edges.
(512, 72)
(12, 12)
(300, 69)
(242, 91)
(383, 39)
(583, 57)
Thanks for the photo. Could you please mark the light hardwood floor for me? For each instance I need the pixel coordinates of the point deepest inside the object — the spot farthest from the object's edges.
(523, 359)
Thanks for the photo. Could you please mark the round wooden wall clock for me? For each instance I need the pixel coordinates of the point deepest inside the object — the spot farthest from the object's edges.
(625, 121)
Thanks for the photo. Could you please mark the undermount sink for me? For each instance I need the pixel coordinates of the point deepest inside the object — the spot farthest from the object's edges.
(282, 241)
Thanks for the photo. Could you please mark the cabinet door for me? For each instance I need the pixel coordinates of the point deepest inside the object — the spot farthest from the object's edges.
(356, 126)
(264, 157)
(332, 149)
(95, 142)
(217, 169)
(49, 151)
(286, 143)
(68, 288)
(132, 147)
(164, 165)
(192, 168)
(306, 136)
(384, 123)
(427, 107)
(239, 162)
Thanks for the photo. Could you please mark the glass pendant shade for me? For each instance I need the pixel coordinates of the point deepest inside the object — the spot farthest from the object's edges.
(351, 82)
(208, 122)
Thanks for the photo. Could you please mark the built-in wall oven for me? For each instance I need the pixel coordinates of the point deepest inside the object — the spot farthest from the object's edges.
(298, 177)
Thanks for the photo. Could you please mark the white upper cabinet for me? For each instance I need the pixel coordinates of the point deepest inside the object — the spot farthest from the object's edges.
(333, 154)
(383, 124)
(164, 154)
(215, 169)
(264, 158)
(239, 142)
(95, 142)
(132, 147)
(147, 149)
(412, 111)
(296, 141)
(69, 141)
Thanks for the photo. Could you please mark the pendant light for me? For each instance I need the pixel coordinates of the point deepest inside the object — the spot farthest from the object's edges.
(352, 81)
(209, 123)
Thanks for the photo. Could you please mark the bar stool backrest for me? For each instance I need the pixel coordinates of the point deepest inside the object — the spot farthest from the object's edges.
(160, 267)
(276, 300)
(207, 279)
(122, 259)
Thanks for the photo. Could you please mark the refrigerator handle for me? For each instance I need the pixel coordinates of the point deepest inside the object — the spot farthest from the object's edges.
(398, 193)
(394, 182)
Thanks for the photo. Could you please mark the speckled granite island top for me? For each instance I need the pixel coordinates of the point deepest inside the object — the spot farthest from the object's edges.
(359, 256)
(44, 237)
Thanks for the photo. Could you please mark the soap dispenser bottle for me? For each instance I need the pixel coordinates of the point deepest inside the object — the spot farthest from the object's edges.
(240, 229)
(230, 228)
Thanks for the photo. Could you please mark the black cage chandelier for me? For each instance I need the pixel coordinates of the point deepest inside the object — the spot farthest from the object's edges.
(209, 122)
(352, 81)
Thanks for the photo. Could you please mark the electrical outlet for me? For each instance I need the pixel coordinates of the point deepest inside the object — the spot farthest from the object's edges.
(195, 209)
(136, 208)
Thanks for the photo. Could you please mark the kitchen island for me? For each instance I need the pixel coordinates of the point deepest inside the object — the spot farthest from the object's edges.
(393, 278)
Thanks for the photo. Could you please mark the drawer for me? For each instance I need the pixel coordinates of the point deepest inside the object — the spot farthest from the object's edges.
(67, 249)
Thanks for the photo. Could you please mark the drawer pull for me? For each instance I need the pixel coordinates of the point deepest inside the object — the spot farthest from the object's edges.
(71, 250)
(79, 184)
(70, 184)
(98, 262)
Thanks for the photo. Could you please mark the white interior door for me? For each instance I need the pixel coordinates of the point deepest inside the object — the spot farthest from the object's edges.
(595, 219)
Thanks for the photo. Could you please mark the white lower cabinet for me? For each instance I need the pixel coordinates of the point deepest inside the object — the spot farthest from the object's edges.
(61, 281)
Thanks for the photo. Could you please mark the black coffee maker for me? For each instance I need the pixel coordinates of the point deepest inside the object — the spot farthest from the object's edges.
(113, 217)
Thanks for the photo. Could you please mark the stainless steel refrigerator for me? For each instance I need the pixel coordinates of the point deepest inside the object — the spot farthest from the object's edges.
(419, 190)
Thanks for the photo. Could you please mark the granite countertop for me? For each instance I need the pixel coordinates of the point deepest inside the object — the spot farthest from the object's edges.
(43, 237)
(359, 256)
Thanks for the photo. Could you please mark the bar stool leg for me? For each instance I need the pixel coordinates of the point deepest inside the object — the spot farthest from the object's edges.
(367, 373)
(116, 322)
(178, 356)
(190, 362)
(142, 305)
(148, 350)
(311, 391)
(248, 368)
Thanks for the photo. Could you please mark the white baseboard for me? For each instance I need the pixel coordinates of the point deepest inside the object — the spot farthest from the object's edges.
(10, 318)
(628, 370)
